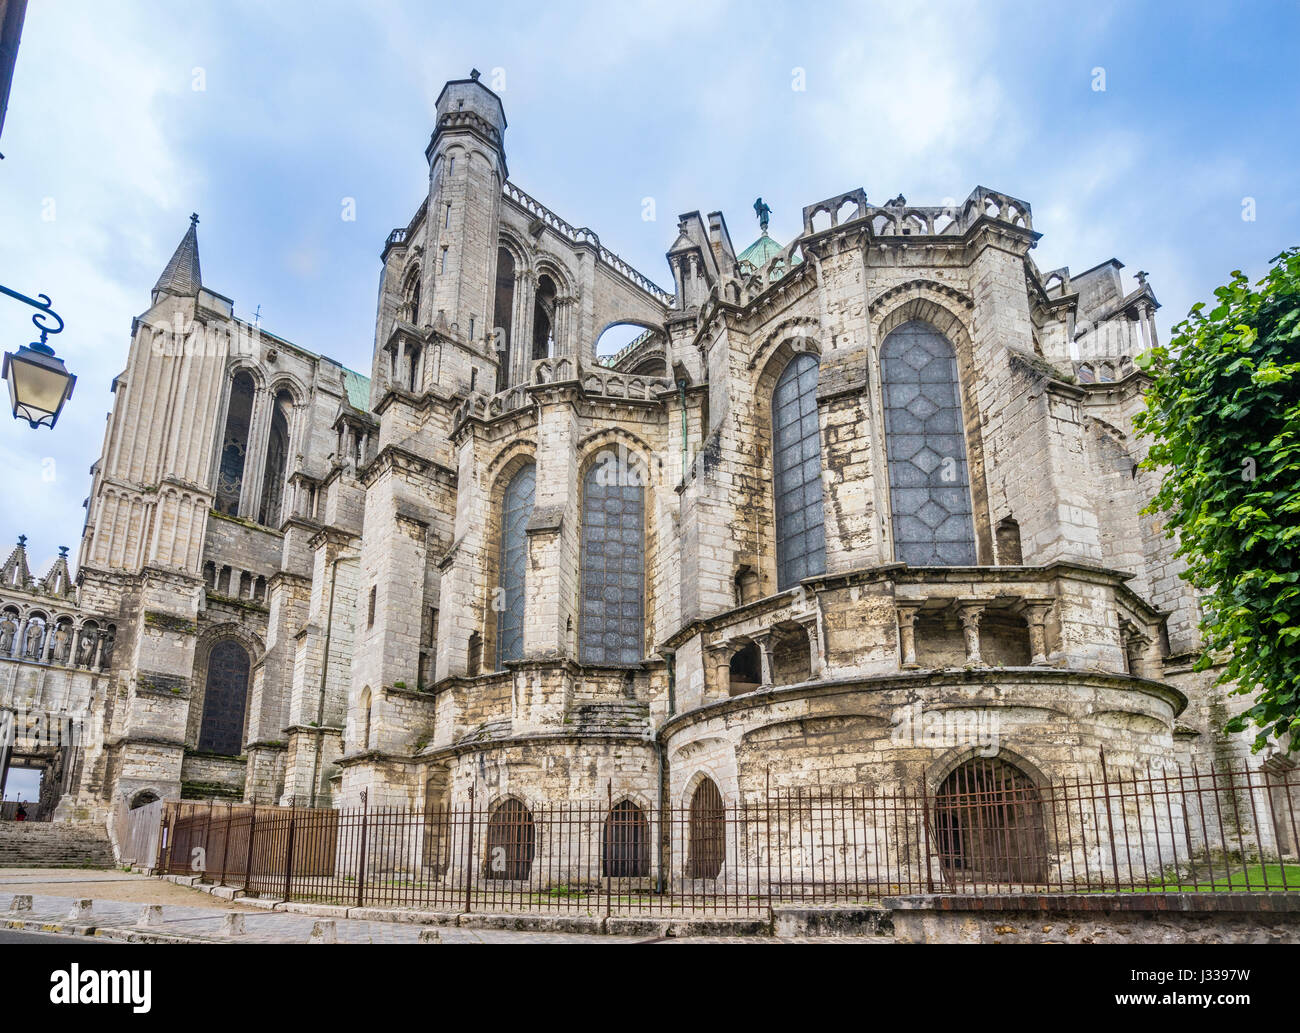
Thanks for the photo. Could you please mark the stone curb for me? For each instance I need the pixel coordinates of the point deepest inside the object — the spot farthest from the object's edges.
(129, 935)
(614, 925)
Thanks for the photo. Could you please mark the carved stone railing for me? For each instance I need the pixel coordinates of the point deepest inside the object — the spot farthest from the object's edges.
(599, 381)
(635, 386)
(1103, 371)
(584, 236)
(897, 218)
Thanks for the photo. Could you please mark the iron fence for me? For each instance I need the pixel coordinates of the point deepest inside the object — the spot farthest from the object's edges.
(987, 828)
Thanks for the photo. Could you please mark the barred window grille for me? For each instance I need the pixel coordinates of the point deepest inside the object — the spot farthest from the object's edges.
(222, 729)
(511, 842)
(797, 474)
(708, 832)
(929, 481)
(516, 507)
(612, 628)
(626, 852)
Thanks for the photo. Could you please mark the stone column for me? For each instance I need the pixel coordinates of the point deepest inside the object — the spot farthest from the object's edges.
(1036, 612)
(809, 623)
(970, 614)
(19, 649)
(521, 331)
(764, 640)
(907, 635)
(250, 496)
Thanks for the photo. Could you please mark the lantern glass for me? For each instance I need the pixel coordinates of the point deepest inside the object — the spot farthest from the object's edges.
(39, 384)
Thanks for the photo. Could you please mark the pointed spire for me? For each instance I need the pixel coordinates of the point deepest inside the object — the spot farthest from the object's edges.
(181, 277)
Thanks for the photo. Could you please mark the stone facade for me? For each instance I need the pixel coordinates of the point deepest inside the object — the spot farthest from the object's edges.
(280, 545)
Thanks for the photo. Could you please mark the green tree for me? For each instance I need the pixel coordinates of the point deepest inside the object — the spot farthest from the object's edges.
(1224, 417)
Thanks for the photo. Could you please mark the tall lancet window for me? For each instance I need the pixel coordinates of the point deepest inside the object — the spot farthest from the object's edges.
(929, 483)
(797, 474)
(277, 460)
(516, 507)
(612, 628)
(234, 445)
(503, 310)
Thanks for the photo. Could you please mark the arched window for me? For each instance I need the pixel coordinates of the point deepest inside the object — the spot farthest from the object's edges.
(708, 832)
(797, 474)
(410, 309)
(510, 841)
(503, 313)
(544, 318)
(277, 460)
(625, 846)
(612, 629)
(989, 824)
(929, 482)
(224, 697)
(516, 507)
(234, 444)
(365, 718)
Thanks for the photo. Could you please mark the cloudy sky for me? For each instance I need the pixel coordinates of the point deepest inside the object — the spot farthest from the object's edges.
(126, 117)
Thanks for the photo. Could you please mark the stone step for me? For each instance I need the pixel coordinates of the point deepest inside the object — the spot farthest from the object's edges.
(39, 844)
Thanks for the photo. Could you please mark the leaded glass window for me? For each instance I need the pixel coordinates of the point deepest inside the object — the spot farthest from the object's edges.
(797, 474)
(929, 482)
(222, 730)
(516, 507)
(612, 628)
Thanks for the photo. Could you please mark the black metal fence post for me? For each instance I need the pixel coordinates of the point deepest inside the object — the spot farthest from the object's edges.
(361, 860)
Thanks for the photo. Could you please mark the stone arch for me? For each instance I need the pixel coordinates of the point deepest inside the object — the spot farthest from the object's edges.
(946, 763)
(787, 332)
(142, 798)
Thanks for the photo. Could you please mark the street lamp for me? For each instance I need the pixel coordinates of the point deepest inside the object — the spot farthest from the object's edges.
(38, 381)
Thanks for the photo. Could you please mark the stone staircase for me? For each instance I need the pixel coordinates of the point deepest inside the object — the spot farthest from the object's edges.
(45, 844)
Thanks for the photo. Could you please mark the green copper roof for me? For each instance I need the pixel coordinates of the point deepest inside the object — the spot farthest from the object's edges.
(762, 251)
(358, 389)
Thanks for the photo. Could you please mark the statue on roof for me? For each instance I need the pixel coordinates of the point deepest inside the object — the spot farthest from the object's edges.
(764, 212)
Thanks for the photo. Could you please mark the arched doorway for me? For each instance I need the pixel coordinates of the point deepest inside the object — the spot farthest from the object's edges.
(708, 832)
(511, 841)
(625, 846)
(989, 827)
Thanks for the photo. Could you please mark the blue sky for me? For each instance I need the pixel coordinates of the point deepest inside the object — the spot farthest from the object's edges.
(108, 148)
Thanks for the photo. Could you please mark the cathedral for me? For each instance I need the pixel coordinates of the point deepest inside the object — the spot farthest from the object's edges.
(851, 510)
